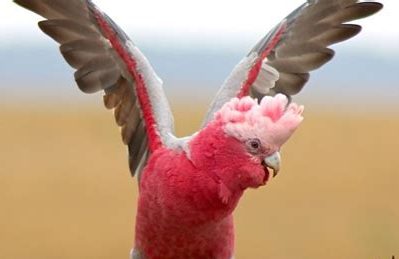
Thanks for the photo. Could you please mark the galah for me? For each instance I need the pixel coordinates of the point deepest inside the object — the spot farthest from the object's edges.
(189, 187)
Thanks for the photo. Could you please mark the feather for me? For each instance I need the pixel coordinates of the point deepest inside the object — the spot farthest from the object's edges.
(64, 31)
(135, 145)
(353, 12)
(137, 163)
(123, 110)
(39, 7)
(79, 52)
(113, 96)
(292, 83)
(130, 126)
(75, 10)
(340, 33)
(53, 9)
(304, 62)
(99, 73)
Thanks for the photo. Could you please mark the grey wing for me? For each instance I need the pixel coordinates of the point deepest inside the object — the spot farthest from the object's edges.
(106, 60)
(302, 47)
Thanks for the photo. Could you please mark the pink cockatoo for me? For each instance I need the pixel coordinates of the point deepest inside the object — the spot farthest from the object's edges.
(189, 187)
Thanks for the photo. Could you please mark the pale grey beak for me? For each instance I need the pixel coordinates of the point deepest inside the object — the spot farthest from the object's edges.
(274, 162)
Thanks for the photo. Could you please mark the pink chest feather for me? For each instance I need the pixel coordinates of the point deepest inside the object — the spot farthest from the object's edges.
(180, 214)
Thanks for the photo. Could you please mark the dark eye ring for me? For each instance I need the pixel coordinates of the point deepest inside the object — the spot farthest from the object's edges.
(254, 145)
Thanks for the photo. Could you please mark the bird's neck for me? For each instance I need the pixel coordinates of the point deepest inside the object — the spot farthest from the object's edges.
(210, 156)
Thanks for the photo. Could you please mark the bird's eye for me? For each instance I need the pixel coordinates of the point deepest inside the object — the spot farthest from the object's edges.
(253, 145)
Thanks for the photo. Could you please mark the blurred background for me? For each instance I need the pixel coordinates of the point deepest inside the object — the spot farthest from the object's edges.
(65, 188)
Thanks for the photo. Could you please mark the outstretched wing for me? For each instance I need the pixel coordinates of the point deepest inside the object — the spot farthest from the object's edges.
(282, 60)
(105, 59)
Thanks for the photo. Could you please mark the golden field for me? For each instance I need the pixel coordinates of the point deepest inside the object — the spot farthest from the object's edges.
(66, 192)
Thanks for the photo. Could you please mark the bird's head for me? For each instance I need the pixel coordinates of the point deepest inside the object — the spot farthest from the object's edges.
(244, 139)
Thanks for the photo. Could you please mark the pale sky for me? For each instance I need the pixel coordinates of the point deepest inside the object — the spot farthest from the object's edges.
(205, 22)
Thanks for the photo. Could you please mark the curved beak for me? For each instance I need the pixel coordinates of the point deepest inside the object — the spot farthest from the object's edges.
(274, 162)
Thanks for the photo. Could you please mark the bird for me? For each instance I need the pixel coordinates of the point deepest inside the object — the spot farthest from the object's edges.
(190, 186)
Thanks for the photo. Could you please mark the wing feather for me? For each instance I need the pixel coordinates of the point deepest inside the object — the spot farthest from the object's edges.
(314, 27)
(302, 47)
(105, 59)
(291, 83)
(136, 143)
(79, 52)
(63, 31)
(334, 35)
(303, 63)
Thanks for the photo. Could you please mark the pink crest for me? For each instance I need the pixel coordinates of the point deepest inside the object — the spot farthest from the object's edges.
(273, 121)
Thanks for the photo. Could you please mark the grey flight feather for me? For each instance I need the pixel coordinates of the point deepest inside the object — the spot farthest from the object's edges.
(98, 67)
(303, 47)
(311, 29)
